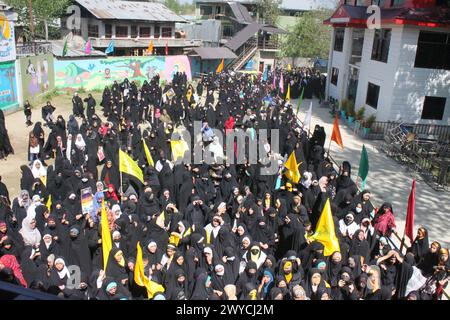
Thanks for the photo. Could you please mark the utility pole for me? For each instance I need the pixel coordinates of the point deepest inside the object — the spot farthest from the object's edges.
(30, 12)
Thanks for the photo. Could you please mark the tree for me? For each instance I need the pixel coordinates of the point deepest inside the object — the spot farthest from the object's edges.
(269, 10)
(309, 37)
(44, 12)
(178, 8)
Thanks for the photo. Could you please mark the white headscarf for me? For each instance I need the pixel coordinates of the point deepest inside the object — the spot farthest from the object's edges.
(79, 142)
(30, 236)
(69, 147)
(64, 272)
(38, 173)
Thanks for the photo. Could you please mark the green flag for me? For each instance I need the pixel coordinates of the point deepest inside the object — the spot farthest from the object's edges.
(64, 51)
(363, 166)
(300, 100)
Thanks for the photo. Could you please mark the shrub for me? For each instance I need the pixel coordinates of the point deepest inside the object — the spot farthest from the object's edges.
(370, 121)
(351, 108)
(360, 113)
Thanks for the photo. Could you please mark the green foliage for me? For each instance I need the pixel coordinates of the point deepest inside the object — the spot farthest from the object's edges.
(351, 109)
(44, 11)
(344, 105)
(370, 121)
(269, 10)
(180, 8)
(360, 113)
(49, 95)
(309, 37)
(81, 90)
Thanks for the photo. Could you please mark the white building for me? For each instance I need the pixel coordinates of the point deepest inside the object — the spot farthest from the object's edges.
(399, 72)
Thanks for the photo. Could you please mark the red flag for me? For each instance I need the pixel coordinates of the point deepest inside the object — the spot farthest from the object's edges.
(410, 213)
(167, 48)
(336, 135)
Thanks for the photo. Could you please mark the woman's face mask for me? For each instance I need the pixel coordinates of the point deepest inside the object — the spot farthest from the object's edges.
(358, 209)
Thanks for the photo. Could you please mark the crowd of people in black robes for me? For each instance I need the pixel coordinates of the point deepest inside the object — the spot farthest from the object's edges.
(208, 232)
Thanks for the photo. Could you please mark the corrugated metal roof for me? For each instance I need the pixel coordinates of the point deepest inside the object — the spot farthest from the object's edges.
(240, 12)
(211, 53)
(130, 10)
(242, 36)
(58, 45)
(214, 53)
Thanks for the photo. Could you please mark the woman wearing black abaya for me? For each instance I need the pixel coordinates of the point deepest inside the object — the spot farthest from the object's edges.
(79, 253)
(313, 284)
(420, 246)
(312, 253)
(110, 175)
(202, 288)
(360, 246)
(430, 259)
(334, 266)
(263, 235)
(5, 145)
(177, 288)
(292, 235)
(27, 180)
(117, 267)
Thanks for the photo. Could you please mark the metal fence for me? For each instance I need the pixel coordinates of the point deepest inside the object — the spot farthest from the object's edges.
(438, 133)
(33, 49)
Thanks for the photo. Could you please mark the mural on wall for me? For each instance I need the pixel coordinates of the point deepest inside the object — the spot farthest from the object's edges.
(7, 39)
(8, 88)
(97, 73)
(38, 75)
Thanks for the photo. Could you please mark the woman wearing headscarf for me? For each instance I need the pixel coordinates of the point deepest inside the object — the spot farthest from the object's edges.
(420, 245)
(312, 253)
(177, 289)
(10, 262)
(202, 286)
(5, 145)
(292, 235)
(291, 272)
(27, 180)
(19, 209)
(313, 284)
(117, 267)
(384, 221)
(430, 259)
(334, 267)
(360, 246)
(30, 234)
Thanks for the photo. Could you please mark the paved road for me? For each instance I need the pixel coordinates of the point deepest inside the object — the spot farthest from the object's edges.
(387, 180)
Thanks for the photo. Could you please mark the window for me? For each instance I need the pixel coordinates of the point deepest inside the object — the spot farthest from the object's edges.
(334, 75)
(134, 31)
(433, 108)
(227, 31)
(433, 50)
(144, 32)
(166, 32)
(373, 92)
(339, 39)
(121, 31)
(379, 3)
(93, 30)
(108, 31)
(157, 32)
(360, 2)
(380, 48)
(205, 10)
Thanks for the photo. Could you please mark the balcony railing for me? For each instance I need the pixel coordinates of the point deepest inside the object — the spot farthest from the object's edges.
(272, 44)
(33, 49)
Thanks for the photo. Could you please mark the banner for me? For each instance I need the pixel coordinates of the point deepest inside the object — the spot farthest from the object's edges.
(87, 201)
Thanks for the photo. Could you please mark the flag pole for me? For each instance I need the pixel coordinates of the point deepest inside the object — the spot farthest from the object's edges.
(329, 147)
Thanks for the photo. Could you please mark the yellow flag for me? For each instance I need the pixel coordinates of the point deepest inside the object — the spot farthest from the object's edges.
(325, 232)
(220, 66)
(127, 165)
(179, 147)
(161, 219)
(106, 236)
(49, 203)
(289, 67)
(288, 93)
(140, 278)
(291, 164)
(150, 47)
(148, 154)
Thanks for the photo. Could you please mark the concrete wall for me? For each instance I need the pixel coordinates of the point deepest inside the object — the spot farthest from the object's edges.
(411, 85)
